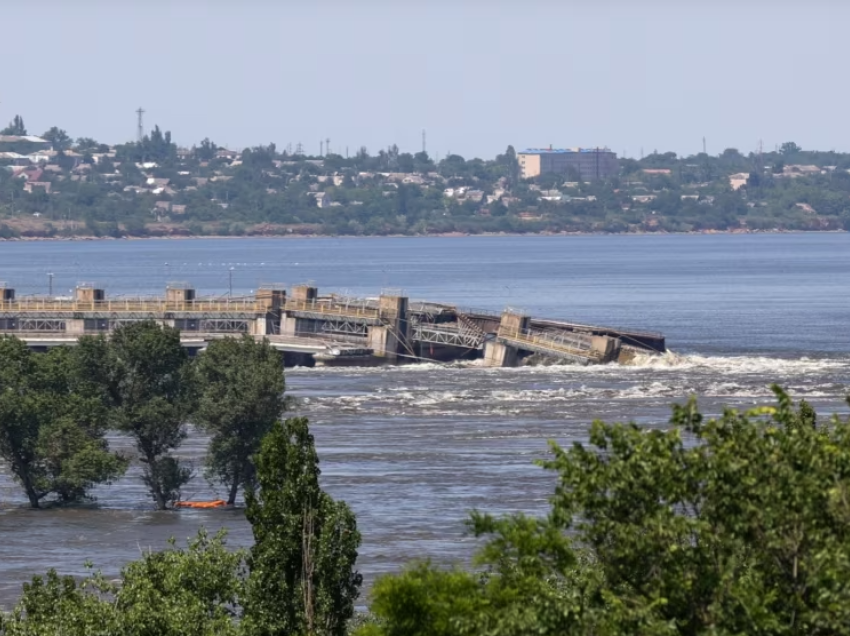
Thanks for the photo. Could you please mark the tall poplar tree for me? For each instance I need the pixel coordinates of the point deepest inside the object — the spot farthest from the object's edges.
(302, 578)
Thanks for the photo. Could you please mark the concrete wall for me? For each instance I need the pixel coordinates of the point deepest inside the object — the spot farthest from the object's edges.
(529, 165)
(497, 354)
(288, 325)
(390, 339)
(305, 293)
(608, 347)
(513, 322)
(258, 327)
(383, 342)
(75, 327)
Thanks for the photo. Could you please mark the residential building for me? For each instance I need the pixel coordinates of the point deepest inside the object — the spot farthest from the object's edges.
(588, 164)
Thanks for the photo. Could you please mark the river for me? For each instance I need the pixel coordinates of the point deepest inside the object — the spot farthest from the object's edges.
(413, 449)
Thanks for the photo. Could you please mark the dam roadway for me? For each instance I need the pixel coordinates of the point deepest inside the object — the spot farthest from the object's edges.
(330, 329)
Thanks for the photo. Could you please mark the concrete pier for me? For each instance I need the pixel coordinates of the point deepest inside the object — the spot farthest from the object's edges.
(326, 329)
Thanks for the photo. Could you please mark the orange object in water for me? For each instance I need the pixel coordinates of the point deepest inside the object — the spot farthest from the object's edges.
(218, 503)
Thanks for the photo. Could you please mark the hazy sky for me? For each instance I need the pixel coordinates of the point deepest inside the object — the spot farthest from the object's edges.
(477, 75)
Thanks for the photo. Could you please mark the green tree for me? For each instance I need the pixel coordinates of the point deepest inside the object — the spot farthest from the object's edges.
(15, 127)
(86, 144)
(302, 578)
(789, 148)
(732, 525)
(58, 138)
(149, 385)
(175, 592)
(241, 387)
(52, 427)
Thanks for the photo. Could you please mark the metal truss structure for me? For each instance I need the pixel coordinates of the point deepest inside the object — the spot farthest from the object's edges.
(218, 325)
(451, 334)
(47, 325)
(344, 326)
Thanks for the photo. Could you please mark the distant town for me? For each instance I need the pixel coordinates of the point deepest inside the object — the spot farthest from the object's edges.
(56, 186)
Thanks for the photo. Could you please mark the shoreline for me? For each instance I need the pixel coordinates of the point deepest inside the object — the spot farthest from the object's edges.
(33, 239)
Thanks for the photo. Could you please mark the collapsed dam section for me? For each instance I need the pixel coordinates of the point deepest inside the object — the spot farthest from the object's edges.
(309, 328)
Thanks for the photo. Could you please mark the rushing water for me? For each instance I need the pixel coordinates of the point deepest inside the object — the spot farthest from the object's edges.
(413, 449)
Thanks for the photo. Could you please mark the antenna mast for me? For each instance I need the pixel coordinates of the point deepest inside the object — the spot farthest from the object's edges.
(423, 140)
(140, 127)
(328, 146)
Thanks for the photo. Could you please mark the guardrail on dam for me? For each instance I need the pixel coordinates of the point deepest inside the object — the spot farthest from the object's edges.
(329, 329)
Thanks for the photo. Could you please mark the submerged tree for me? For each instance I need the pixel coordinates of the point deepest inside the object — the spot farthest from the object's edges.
(241, 387)
(52, 426)
(302, 578)
(734, 525)
(149, 385)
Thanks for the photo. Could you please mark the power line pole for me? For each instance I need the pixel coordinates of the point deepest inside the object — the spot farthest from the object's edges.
(140, 128)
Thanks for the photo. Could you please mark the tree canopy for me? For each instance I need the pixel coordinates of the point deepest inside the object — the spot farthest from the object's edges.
(728, 525)
(149, 384)
(53, 425)
(241, 387)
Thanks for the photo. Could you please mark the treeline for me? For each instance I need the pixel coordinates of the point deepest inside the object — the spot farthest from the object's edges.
(738, 524)
(56, 408)
(98, 190)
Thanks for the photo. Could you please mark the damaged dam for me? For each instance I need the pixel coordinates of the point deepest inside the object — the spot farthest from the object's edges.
(309, 328)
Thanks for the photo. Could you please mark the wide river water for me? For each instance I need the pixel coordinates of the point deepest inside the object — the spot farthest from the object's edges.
(413, 449)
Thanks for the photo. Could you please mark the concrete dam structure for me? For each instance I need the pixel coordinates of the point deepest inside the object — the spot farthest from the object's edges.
(330, 330)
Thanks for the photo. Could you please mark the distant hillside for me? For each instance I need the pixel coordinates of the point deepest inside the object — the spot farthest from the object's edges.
(54, 186)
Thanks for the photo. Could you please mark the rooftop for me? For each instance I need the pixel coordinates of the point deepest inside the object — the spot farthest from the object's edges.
(541, 151)
(17, 138)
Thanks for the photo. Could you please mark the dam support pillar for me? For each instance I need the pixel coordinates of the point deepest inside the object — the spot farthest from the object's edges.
(306, 294)
(608, 348)
(512, 326)
(497, 354)
(288, 325)
(389, 339)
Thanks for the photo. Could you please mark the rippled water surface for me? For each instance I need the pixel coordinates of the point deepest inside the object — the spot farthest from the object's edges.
(413, 449)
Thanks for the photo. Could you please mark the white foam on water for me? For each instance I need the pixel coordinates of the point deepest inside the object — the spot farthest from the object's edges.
(737, 364)
(501, 399)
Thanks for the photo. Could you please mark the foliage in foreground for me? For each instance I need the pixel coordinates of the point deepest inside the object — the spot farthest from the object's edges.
(732, 525)
(298, 578)
(170, 593)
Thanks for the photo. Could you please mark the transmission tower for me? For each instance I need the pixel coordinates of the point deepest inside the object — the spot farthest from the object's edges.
(321, 148)
(299, 149)
(140, 127)
(328, 146)
(423, 140)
